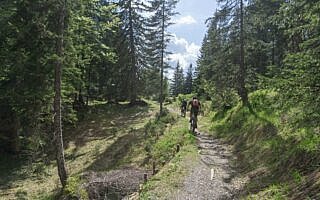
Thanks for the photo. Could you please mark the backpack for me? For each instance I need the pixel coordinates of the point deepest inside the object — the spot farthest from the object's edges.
(195, 103)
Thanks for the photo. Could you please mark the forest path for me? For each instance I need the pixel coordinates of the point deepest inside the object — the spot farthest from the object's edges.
(214, 176)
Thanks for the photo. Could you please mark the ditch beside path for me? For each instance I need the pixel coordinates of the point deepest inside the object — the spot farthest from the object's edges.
(213, 177)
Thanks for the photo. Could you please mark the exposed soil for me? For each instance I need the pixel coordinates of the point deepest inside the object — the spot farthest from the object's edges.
(213, 177)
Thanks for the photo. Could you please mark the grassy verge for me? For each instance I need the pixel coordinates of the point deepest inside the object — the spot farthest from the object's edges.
(280, 161)
(174, 166)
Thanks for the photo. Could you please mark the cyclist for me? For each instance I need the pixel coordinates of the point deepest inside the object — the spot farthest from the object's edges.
(183, 107)
(195, 108)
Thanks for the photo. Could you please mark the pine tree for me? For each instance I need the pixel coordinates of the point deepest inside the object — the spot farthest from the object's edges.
(133, 29)
(159, 23)
(236, 8)
(90, 38)
(298, 79)
(217, 64)
(189, 80)
(177, 86)
(26, 52)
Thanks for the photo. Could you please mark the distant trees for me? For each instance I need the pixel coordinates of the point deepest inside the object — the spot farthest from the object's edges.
(143, 31)
(182, 84)
(188, 85)
(177, 86)
(92, 27)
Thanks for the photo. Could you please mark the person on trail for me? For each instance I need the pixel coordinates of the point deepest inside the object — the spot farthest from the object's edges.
(195, 107)
(183, 107)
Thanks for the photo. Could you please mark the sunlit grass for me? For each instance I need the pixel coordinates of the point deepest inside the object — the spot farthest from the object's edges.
(171, 174)
(86, 143)
(273, 192)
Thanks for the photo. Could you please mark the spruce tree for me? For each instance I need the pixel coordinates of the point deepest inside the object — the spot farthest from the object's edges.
(159, 23)
(189, 80)
(133, 28)
(177, 85)
(235, 8)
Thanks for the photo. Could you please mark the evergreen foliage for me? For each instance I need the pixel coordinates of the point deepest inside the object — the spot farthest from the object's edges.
(103, 53)
(178, 82)
(107, 56)
(117, 51)
(281, 54)
(189, 80)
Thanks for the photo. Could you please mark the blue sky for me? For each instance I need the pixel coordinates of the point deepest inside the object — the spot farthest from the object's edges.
(189, 30)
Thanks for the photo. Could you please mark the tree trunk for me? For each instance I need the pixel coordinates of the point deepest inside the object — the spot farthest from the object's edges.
(133, 75)
(162, 57)
(57, 98)
(242, 90)
(88, 87)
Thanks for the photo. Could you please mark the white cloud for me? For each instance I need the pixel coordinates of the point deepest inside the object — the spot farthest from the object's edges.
(193, 49)
(183, 51)
(185, 20)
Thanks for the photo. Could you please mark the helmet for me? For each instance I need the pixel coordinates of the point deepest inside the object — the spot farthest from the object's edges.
(194, 97)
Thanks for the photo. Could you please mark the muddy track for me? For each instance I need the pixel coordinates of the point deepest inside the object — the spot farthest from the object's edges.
(213, 176)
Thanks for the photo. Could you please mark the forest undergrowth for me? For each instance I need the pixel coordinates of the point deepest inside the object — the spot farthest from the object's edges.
(108, 137)
(279, 158)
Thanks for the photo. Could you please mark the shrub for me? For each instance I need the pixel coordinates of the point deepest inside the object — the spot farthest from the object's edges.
(75, 189)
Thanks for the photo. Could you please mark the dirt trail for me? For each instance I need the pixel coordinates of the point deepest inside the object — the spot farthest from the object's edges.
(213, 177)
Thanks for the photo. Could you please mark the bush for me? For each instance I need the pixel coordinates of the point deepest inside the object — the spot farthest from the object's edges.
(75, 189)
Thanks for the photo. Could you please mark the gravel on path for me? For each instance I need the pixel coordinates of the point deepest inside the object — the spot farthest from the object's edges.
(213, 177)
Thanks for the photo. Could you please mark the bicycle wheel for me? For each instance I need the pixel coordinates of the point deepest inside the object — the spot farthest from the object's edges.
(193, 125)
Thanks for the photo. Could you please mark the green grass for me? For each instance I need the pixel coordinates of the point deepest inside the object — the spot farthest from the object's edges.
(171, 175)
(273, 192)
(176, 165)
(164, 148)
(108, 137)
(105, 131)
(265, 138)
